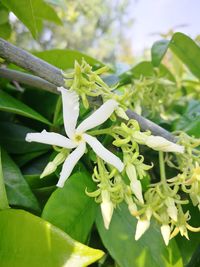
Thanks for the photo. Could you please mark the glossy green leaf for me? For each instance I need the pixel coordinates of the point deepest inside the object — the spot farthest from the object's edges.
(10, 104)
(18, 191)
(190, 119)
(188, 51)
(27, 240)
(195, 261)
(158, 51)
(32, 13)
(149, 251)
(4, 13)
(3, 196)
(23, 159)
(5, 30)
(46, 104)
(184, 47)
(64, 59)
(144, 69)
(70, 209)
(12, 138)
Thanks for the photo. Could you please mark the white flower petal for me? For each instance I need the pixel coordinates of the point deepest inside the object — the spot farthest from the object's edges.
(103, 153)
(70, 102)
(161, 144)
(70, 162)
(165, 231)
(54, 139)
(141, 228)
(98, 117)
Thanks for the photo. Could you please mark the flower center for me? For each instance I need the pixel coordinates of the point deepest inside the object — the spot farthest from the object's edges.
(78, 138)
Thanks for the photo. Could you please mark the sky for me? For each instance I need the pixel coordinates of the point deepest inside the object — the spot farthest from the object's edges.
(154, 16)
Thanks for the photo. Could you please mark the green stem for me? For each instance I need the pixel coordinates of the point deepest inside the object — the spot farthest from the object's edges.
(3, 197)
(57, 110)
(101, 131)
(162, 167)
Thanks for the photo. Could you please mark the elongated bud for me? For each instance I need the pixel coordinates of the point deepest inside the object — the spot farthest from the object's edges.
(161, 144)
(121, 113)
(131, 172)
(132, 209)
(85, 101)
(50, 168)
(165, 231)
(102, 70)
(171, 208)
(106, 208)
(139, 137)
(120, 142)
(135, 184)
(131, 205)
(136, 188)
(141, 228)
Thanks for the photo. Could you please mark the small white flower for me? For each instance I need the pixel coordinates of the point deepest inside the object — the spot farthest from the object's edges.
(141, 228)
(77, 136)
(165, 231)
(161, 144)
(107, 208)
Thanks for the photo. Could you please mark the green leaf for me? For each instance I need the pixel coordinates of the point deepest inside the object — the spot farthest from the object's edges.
(3, 196)
(10, 104)
(18, 191)
(158, 51)
(12, 138)
(4, 13)
(190, 119)
(70, 209)
(5, 30)
(32, 13)
(184, 48)
(195, 261)
(188, 51)
(27, 240)
(64, 59)
(144, 69)
(149, 251)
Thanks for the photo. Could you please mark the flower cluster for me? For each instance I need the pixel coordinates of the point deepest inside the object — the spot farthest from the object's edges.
(120, 177)
(162, 92)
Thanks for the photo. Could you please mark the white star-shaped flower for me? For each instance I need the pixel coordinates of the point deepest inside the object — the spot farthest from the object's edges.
(78, 136)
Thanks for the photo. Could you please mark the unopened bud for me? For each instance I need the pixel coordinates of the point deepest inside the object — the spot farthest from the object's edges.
(106, 208)
(161, 144)
(165, 231)
(121, 113)
(141, 228)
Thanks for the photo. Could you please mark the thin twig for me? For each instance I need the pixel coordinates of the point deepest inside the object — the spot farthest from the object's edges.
(52, 76)
(27, 61)
(27, 79)
(146, 124)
